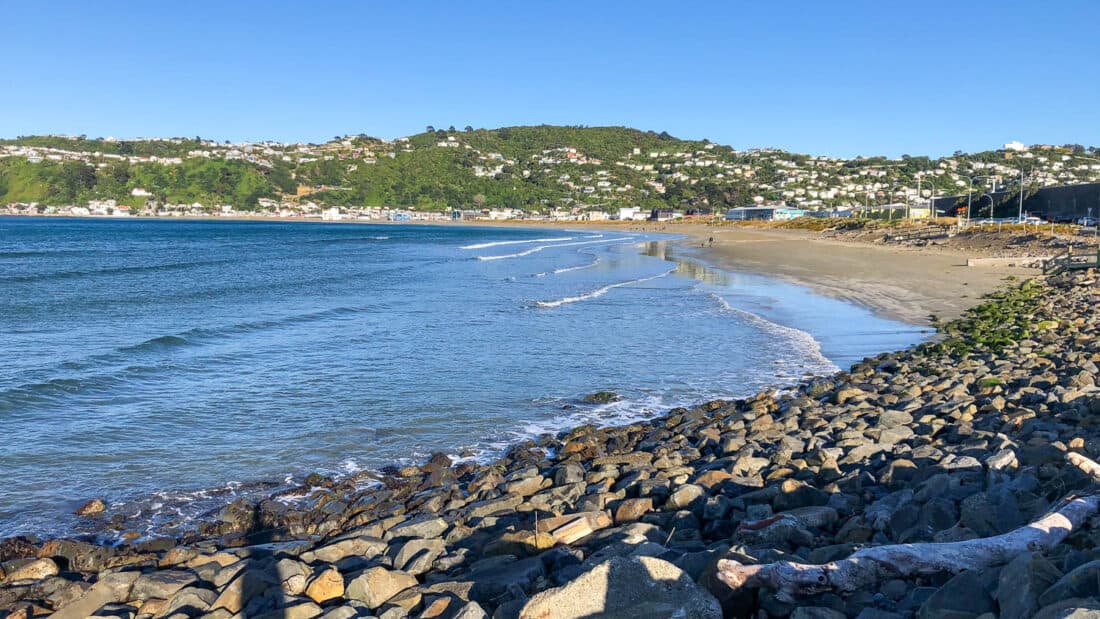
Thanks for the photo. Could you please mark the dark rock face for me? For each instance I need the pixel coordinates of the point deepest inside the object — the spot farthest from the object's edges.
(953, 440)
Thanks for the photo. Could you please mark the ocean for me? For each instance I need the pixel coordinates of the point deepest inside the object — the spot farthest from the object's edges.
(168, 366)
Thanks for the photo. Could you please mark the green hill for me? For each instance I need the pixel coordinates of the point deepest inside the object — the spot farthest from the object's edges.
(535, 168)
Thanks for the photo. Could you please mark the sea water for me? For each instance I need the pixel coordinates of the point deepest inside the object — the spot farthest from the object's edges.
(176, 364)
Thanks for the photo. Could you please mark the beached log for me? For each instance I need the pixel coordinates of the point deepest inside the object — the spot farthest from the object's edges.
(1088, 467)
(872, 565)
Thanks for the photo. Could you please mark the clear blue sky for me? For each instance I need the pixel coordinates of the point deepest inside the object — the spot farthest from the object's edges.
(837, 78)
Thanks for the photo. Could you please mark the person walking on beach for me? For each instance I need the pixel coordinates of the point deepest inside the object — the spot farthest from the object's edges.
(711, 241)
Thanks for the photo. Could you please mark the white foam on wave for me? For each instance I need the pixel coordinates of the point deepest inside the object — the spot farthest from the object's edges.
(805, 343)
(528, 252)
(595, 261)
(499, 243)
(380, 238)
(599, 292)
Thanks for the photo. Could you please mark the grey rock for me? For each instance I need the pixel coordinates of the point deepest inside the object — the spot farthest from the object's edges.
(1083, 581)
(1021, 583)
(626, 588)
(366, 547)
(374, 586)
(960, 597)
(423, 527)
(161, 585)
(569, 473)
(492, 578)
(684, 496)
(817, 612)
(416, 556)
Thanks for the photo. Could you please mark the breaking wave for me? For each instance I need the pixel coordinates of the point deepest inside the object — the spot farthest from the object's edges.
(499, 243)
(599, 292)
(528, 252)
(805, 342)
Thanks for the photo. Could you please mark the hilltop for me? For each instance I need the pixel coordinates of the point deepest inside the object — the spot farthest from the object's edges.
(534, 169)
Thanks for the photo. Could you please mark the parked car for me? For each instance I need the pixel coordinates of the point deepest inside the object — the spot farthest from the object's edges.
(1032, 220)
(1086, 221)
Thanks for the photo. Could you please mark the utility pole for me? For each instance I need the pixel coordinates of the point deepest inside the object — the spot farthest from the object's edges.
(1020, 217)
(969, 196)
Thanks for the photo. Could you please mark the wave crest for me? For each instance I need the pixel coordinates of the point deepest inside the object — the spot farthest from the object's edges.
(599, 292)
(499, 243)
(528, 252)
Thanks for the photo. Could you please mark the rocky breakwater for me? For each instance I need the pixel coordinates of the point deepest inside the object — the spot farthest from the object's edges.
(961, 439)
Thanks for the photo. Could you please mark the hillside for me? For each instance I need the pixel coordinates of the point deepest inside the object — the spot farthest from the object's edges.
(534, 169)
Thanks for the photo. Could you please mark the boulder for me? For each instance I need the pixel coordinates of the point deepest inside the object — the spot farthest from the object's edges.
(248, 583)
(626, 588)
(303, 610)
(91, 508)
(632, 509)
(366, 547)
(602, 397)
(161, 585)
(498, 576)
(961, 597)
(416, 555)
(376, 585)
(1021, 583)
(569, 473)
(816, 612)
(326, 585)
(424, 527)
(35, 570)
(684, 496)
(293, 575)
(1082, 581)
(111, 588)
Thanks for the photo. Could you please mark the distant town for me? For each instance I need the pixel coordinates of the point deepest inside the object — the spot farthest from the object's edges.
(534, 173)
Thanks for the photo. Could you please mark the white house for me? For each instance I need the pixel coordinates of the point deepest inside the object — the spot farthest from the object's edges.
(631, 213)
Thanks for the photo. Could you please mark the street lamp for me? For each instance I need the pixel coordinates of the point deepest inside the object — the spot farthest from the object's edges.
(1020, 216)
(932, 200)
(970, 195)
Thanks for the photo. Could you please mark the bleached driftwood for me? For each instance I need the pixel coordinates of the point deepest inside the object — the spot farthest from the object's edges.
(1088, 467)
(872, 565)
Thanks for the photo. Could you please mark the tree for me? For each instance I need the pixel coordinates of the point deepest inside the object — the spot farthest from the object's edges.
(451, 129)
(430, 129)
(479, 200)
(468, 129)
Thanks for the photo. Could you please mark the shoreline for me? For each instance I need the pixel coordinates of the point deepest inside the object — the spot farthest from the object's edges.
(725, 479)
(726, 255)
(901, 283)
(269, 487)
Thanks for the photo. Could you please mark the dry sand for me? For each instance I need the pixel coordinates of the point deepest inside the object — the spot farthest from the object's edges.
(902, 283)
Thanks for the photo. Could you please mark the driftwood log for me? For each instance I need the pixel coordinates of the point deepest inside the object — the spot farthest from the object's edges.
(872, 565)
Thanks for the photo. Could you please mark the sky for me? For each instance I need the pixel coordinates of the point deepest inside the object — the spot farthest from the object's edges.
(839, 78)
